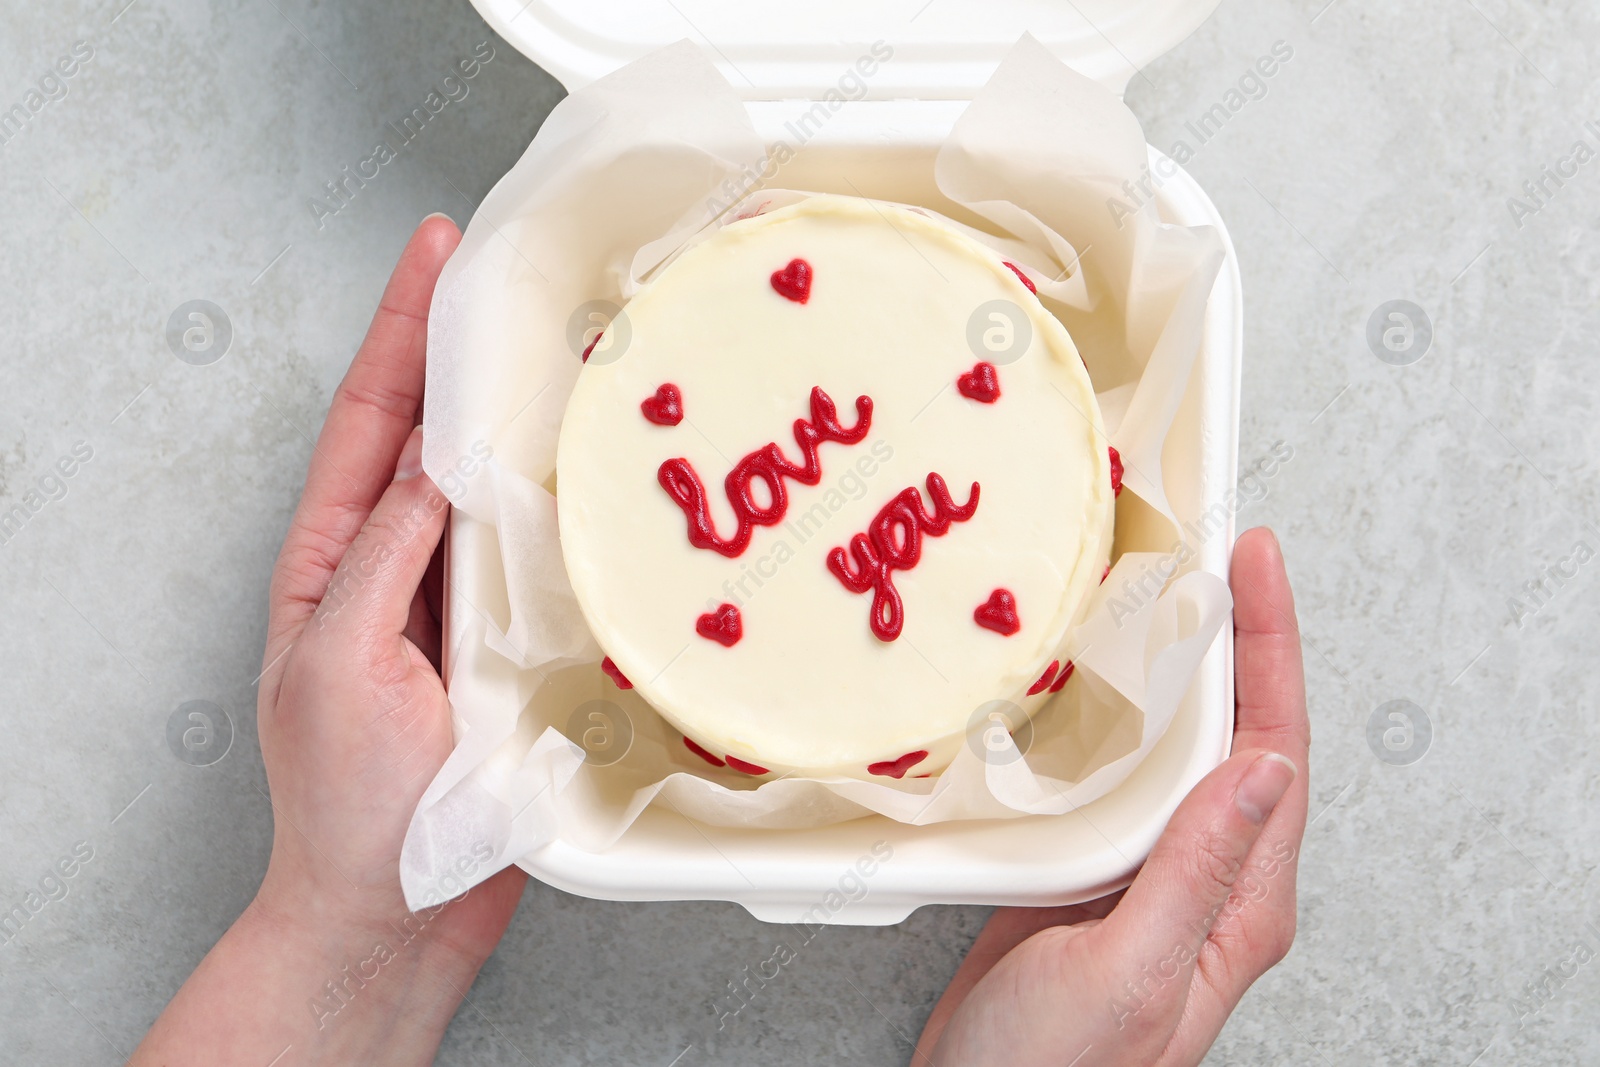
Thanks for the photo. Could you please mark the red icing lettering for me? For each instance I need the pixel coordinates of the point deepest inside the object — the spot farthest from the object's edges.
(742, 765)
(793, 281)
(590, 346)
(1025, 279)
(1061, 679)
(1116, 472)
(897, 768)
(614, 674)
(723, 626)
(767, 465)
(702, 753)
(893, 542)
(998, 613)
(666, 407)
(1046, 678)
(981, 383)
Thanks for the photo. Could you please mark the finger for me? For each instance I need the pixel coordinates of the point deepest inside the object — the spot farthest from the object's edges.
(1009, 927)
(1270, 678)
(372, 411)
(1006, 929)
(1271, 714)
(1154, 937)
(375, 586)
(1256, 929)
(1254, 932)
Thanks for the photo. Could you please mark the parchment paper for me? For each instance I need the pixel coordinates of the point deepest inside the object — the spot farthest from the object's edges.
(621, 177)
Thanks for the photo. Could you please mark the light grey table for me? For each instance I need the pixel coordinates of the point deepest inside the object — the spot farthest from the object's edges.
(1445, 903)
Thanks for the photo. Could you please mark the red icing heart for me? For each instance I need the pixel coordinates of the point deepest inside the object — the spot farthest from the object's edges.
(666, 407)
(1025, 279)
(1061, 679)
(981, 383)
(702, 753)
(794, 281)
(722, 626)
(998, 613)
(1116, 472)
(897, 768)
(614, 674)
(742, 765)
(1046, 678)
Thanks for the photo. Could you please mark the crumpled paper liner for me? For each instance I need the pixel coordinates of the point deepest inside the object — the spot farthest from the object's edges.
(621, 177)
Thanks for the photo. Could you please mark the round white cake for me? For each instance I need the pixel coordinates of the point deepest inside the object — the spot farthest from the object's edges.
(837, 485)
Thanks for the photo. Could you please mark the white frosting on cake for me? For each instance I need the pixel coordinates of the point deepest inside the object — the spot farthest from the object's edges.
(809, 687)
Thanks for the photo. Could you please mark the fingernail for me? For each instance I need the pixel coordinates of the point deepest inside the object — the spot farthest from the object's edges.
(1263, 785)
(435, 215)
(410, 464)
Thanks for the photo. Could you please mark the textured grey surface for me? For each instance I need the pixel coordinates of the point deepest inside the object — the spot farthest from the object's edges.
(1376, 166)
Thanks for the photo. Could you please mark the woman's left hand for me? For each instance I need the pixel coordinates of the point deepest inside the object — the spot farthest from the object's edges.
(327, 964)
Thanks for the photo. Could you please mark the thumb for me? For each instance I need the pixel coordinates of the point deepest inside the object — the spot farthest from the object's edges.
(373, 587)
(1171, 907)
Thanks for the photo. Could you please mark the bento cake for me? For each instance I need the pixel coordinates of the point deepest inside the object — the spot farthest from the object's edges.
(837, 484)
